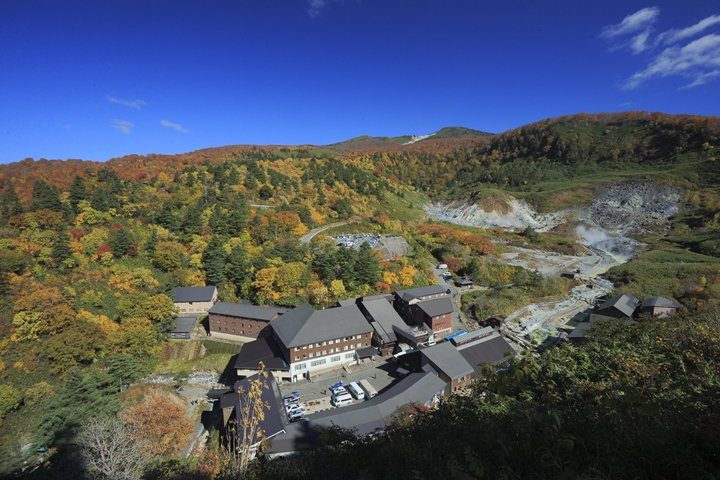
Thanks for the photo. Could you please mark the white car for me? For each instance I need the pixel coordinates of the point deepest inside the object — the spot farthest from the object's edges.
(296, 410)
(442, 266)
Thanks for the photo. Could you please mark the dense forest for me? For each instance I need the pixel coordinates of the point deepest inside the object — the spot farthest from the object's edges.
(90, 252)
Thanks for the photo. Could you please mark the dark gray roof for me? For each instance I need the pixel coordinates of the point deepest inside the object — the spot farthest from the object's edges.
(193, 294)
(464, 281)
(261, 350)
(445, 357)
(492, 350)
(660, 302)
(474, 335)
(436, 306)
(386, 317)
(254, 312)
(414, 293)
(229, 400)
(184, 325)
(625, 304)
(385, 337)
(579, 330)
(363, 417)
(272, 423)
(304, 326)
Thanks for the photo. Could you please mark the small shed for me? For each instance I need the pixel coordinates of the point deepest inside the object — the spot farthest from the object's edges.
(184, 328)
(464, 282)
(659, 307)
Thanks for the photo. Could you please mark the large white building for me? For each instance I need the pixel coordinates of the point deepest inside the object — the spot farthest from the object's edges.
(314, 341)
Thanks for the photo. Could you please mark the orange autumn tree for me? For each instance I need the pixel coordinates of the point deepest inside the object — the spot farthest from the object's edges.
(162, 418)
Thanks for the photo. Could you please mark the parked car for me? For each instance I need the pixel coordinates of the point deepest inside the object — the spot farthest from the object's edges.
(296, 415)
(442, 266)
(287, 403)
(295, 410)
(295, 395)
(339, 391)
(336, 386)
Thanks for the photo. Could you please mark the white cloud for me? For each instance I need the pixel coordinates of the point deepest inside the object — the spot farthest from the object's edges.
(698, 60)
(137, 104)
(176, 126)
(315, 6)
(672, 36)
(640, 20)
(123, 125)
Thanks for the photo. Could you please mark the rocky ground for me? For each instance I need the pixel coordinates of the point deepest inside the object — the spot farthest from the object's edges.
(624, 208)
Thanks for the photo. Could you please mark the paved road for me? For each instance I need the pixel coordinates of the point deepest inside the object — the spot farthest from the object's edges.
(309, 236)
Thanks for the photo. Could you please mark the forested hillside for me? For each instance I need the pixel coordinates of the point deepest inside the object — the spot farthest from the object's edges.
(90, 252)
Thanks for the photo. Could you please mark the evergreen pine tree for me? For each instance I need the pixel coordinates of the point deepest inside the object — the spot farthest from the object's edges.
(151, 243)
(60, 249)
(367, 266)
(120, 242)
(218, 222)
(45, 197)
(99, 199)
(77, 193)
(238, 267)
(214, 261)
(191, 223)
(238, 214)
(10, 202)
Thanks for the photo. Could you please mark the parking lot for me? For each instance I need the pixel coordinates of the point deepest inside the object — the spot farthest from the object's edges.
(356, 239)
(380, 374)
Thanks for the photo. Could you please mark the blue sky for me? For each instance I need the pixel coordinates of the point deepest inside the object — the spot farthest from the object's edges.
(96, 80)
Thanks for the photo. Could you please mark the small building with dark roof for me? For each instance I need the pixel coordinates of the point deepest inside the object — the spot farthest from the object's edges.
(195, 300)
(464, 282)
(492, 349)
(241, 322)
(619, 306)
(659, 307)
(405, 298)
(435, 313)
(443, 359)
(184, 328)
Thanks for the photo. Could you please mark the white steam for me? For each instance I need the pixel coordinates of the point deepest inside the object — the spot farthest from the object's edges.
(591, 235)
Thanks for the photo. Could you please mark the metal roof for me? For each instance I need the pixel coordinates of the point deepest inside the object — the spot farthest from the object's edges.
(304, 326)
(445, 357)
(271, 424)
(660, 302)
(184, 325)
(625, 304)
(363, 417)
(385, 316)
(194, 294)
(261, 350)
(492, 350)
(254, 312)
(414, 293)
(436, 306)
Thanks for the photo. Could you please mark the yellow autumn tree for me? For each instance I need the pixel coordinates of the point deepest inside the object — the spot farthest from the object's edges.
(264, 284)
(407, 275)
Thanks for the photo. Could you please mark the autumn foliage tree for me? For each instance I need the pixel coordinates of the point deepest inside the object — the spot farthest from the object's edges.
(162, 419)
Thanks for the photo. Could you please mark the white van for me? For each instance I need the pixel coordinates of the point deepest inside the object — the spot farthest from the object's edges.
(442, 266)
(356, 391)
(341, 400)
(370, 392)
